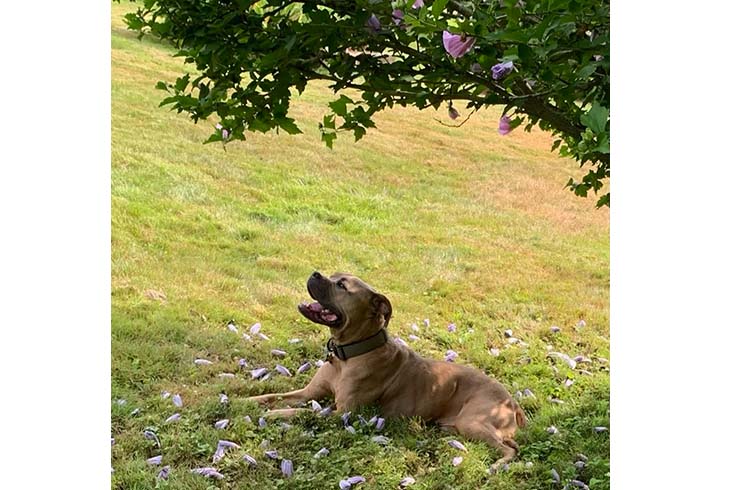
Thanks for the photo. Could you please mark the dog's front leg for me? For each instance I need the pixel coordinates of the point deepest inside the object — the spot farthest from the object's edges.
(318, 388)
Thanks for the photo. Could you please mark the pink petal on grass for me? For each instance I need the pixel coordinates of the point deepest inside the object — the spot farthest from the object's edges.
(356, 480)
(413, 337)
(417, 4)
(155, 460)
(457, 445)
(321, 453)
(230, 326)
(278, 353)
(255, 329)
(221, 424)
(409, 480)
(283, 370)
(504, 125)
(163, 474)
(457, 45)
(208, 472)
(374, 23)
(177, 400)
(294, 341)
(203, 362)
(303, 368)
(246, 336)
(173, 418)
(427, 322)
(568, 382)
(451, 327)
(450, 356)
(527, 392)
(415, 327)
(457, 460)
(223, 398)
(287, 468)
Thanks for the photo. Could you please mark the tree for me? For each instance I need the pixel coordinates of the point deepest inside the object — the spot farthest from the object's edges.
(545, 61)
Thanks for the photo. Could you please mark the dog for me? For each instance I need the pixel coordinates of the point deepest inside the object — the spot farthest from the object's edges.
(365, 367)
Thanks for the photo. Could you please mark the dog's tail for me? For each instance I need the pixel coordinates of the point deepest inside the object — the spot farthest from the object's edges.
(520, 415)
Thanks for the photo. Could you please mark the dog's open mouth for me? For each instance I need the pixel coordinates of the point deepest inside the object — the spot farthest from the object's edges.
(318, 313)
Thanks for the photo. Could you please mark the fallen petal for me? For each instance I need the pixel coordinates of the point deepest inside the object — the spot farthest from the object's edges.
(457, 460)
(555, 476)
(413, 337)
(579, 484)
(247, 419)
(228, 444)
(508, 333)
(173, 418)
(559, 355)
(504, 125)
(255, 329)
(221, 424)
(294, 341)
(552, 430)
(135, 412)
(450, 356)
(529, 393)
(346, 418)
(321, 453)
(324, 412)
(495, 352)
(283, 370)
(155, 460)
(165, 395)
(258, 373)
(581, 323)
(557, 401)
(287, 468)
(350, 429)
(231, 327)
(344, 484)
(242, 363)
(380, 440)
(202, 362)
(223, 398)
(580, 465)
(372, 420)
(457, 445)
(415, 327)
(250, 459)
(409, 480)
(226, 375)
(513, 340)
(163, 474)
(263, 336)
(246, 336)
(261, 422)
(451, 327)
(582, 457)
(177, 400)
(273, 454)
(601, 429)
(316, 406)
(555, 329)
(380, 423)
(151, 436)
(208, 472)
(426, 322)
(303, 368)
(278, 353)
(121, 401)
(356, 480)
(568, 382)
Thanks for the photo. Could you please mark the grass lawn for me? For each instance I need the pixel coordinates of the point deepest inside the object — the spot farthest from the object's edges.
(453, 225)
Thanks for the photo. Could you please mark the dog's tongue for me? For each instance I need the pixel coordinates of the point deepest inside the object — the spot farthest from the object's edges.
(315, 306)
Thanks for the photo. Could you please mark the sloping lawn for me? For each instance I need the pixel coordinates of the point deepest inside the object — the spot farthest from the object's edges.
(455, 226)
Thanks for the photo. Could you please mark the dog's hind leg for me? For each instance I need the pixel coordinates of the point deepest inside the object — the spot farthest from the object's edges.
(481, 429)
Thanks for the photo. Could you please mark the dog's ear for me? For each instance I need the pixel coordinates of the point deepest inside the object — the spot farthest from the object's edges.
(382, 308)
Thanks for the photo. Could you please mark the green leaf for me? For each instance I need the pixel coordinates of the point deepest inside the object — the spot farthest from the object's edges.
(438, 7)
(288, 125)
(339, 106)
(596, 118)
(329, 138)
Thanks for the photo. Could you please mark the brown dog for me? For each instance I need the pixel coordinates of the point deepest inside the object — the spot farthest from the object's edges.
(365, 367)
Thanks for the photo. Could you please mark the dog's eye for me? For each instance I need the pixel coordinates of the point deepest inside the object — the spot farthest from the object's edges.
(341, 284)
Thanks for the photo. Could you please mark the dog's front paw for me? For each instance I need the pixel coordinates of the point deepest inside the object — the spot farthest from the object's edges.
(261, 400)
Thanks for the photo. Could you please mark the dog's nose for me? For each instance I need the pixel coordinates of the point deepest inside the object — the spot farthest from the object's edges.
(316, 275)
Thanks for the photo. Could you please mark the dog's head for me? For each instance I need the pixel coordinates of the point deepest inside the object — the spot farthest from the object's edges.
(348, 306)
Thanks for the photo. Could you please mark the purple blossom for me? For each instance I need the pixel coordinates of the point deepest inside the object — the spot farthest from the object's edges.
(135, 412)
(581, 323)
(346, 418)
(283, 370)
(173, 418)
(221, 447)
(350, 429)
(415, 327)
(417, 4)
(258, 373)
(476, 68)
(413, 337)
(316, 406)
(504, 125)
(409, 480)
(552, 430)
(457, 460)
(225, 134)
(501, 70)
(559, 355)
(457, 445)
(555, 476)
(426, 322)
(287, 468)
(208, 472)
(372, 420)
(163, 474)
(165, 394)
(451, 327)
(202, 362)
(223, 399)
(382, 440)
(527, 392)
(397, 16)
(457, 45)
(579, 484)
(568, 382)
(255, 329)
(324, 412)
(230, 326)
(177, 400)
(155, 460)
(278, 353)
(555, 329)
(247, 419)
(495, 352)
(221, 424)
(380, 424)
(263, 336)
(246, 336)
(303, 368)
(450, 356)
(261, 422)
(374, 23)
(321, 453)
(349, 482)
(272, 454)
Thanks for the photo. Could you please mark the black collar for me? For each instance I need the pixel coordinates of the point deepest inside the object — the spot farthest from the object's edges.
(344, 352)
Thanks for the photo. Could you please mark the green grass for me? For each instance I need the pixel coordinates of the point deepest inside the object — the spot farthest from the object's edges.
(453, 225)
